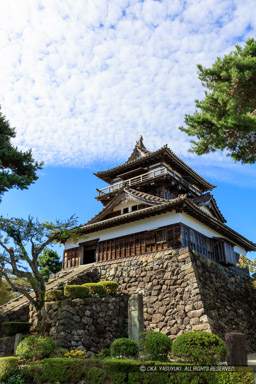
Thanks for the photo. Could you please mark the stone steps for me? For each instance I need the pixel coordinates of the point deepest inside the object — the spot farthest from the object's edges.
(64, 276)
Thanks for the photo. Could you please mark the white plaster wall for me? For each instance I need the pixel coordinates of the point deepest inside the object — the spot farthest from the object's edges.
(149, 224)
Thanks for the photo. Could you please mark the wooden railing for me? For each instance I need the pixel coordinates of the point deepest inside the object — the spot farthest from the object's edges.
(151, 175)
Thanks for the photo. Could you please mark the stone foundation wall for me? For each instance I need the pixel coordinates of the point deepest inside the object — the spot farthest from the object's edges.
(15, 314)
(183, 291)
(91, 323)
(7, 346)
(229, 299)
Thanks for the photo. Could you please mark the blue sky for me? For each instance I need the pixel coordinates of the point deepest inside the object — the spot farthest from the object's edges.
(81, 81)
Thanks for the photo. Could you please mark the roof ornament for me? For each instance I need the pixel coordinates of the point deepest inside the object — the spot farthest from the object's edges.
(139, 150)
(139, 143)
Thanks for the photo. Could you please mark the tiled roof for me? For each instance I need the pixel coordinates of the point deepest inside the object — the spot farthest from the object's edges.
(145, 196)
(180, 204)
(208, 198)
(180, 165)
(138, 195)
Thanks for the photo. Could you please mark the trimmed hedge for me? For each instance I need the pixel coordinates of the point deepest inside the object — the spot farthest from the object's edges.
(58, 370)
(76, 291)
(12, 327)
(156, 345)
(61, 370)
(54, 295)
(95, 288)
(124, 348)
(200, 348)
(110, 287)
(7, 366)
(35, 347)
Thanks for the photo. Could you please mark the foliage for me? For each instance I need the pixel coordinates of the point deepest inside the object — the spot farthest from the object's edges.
(110, 287)
(12, 327)
(7, 365)
(49, 262)
(251, 265)
(156, 345)
(124, 348)
(226, 118)
(30, 238)
(35, 348)
(76, 291)
(54, 295)
(200, 348)
(103, 353)
(62, 371)
(75, 353)
(60, 352)
(6, 293)
(95, 288)
(57, 370)
(18, 169)
(14, 377)
(96, 375)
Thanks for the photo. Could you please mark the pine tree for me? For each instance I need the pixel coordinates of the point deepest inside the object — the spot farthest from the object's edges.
(49, 262)
(17, 168)
(226, 118)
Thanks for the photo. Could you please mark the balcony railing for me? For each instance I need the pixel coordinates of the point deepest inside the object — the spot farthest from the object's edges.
(151, 175)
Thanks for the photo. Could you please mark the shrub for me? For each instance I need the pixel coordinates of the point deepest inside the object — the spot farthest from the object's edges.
(57, 370)
(54, 295)
(104, 352)
(7, 366)
(76, 291)
(200, 348)
(15, 377)
(96, 375)
(124, 348)
(35, 348)
(156, 345)
(60, 352)
(13, 327)
(110, 287)
(75, 353)
(95, 288)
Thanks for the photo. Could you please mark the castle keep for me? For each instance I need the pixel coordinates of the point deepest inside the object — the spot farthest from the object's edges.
(153, 202)
(160, 233)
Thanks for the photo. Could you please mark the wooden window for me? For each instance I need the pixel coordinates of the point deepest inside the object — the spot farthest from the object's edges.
(71, 258)
(161, 236)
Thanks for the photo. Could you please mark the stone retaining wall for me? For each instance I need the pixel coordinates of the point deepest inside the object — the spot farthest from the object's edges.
(7, 346)
(16, 314)
(90, 323)
(183, 291)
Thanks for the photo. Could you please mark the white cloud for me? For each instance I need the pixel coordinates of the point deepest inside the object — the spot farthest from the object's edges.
(82, 80)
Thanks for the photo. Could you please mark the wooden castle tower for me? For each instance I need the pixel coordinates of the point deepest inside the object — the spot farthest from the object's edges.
(155, 201)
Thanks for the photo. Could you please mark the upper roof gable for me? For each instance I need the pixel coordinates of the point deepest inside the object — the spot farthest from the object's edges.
(123, 197)
(207, 200)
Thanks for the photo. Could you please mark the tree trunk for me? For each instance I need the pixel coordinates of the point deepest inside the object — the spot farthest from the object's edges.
(43, 322)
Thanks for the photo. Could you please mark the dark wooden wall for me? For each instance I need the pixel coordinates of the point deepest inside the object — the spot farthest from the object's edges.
(139, 243)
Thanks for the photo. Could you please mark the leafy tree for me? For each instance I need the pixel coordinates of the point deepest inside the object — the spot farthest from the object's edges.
(244, 262)
(17, 168)
(22, 241)
(6, 293)
(226, 118)
(49, 262)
